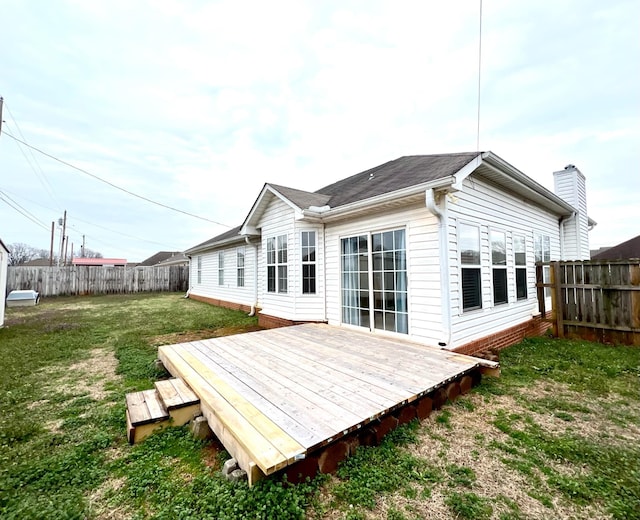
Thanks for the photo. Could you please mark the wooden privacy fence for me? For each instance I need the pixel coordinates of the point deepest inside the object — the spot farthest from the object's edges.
(593, 300)
(75, 280)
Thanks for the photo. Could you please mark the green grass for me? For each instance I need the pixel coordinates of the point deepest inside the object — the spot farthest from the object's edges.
(563, 418)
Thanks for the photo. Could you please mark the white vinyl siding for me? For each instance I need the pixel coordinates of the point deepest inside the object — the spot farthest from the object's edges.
(209, 287)
(490, 207)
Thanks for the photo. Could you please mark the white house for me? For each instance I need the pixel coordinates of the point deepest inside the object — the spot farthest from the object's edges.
(439, 249)
(4, 262)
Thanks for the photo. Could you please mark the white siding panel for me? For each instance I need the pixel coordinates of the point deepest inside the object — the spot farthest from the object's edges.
(423, 267)
(488, 206)
(229, 291)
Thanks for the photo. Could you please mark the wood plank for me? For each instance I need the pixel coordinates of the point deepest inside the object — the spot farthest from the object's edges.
(138, 410)
(168, 394)
(187, 395)
(270, 397)
(237, 435)
(156, 409)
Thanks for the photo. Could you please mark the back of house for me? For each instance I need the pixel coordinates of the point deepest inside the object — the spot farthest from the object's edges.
(437, 249)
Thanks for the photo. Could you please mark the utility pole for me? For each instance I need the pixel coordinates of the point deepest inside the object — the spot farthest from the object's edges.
(64, 229)
(66, 248)
(1, 101)
(53, 230)
(82, 248)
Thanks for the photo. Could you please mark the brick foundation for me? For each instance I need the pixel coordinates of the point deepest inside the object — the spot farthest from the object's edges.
(505, 338)
(221, 303)
(273, 322)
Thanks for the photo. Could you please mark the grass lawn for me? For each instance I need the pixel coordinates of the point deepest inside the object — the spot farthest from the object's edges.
(557, 436)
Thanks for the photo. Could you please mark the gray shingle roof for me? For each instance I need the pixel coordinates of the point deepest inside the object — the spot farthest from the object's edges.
(394, 175)
(232, 233)
(623, 251)
(158, 257)
(302, 199)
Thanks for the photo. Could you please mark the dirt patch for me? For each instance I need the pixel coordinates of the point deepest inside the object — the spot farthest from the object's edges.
(89, 376)
(99, 501)
(197, 335)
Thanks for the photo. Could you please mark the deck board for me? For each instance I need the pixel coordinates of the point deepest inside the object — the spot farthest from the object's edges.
(275, 395)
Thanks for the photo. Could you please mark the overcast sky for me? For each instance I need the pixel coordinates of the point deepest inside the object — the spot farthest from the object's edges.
(196, 104)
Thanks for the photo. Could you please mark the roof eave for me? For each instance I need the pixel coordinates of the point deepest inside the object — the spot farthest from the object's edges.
(353, 208)
(534, 190)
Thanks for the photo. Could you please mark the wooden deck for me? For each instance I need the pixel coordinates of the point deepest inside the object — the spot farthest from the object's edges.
(274, 396)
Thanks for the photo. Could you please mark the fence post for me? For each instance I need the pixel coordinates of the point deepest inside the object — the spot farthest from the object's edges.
(556, 299)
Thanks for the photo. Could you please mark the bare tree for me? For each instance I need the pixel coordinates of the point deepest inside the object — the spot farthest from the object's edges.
(88, 253)
(21, 253)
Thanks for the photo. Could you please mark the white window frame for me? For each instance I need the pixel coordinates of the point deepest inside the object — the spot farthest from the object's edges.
(199, 269)
(240, 259)
(519, 267)
(542, 253)
(278, 261)
(309, 256)
(220, 267)
(476, 267)
(497, 267)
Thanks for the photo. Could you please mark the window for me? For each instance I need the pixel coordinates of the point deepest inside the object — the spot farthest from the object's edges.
(240, 267)
(199, 269)
(277, 264)
(221, 268)
(542, 250)
(308, 240)
(381, 258)
(469, 244)
(499, 266)
(520, 256)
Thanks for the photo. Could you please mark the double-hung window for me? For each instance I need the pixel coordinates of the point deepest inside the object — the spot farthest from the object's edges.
(542, 249)
(499, 266)
(221, 268)
(308, 241)
(469, 243)
(240, 267)
(199, 271)
(520, 258)
(277, 264)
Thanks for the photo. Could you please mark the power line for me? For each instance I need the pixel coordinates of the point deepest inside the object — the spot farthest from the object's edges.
(41, 175)
(110, 230)
(113, 185)
(14, 205)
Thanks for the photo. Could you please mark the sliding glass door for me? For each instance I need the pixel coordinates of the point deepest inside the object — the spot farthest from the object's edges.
(374, 281)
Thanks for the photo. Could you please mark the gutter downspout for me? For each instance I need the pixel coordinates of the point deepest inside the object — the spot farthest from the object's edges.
(254, 307)
(445, 283)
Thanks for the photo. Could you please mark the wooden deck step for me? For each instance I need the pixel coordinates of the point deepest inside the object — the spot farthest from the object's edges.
(172, 402)
(180, 401)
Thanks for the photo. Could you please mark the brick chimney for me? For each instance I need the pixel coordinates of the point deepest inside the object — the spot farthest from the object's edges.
(570, 185)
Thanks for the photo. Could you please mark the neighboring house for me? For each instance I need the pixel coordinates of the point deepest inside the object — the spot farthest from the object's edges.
(623, 251)
(160, 256)
(439, 249)
(100, 262)
(37, 262)
(4, 262)
(175, 259)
